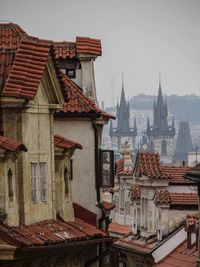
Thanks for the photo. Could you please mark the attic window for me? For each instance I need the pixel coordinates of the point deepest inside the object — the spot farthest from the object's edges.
(71, 73)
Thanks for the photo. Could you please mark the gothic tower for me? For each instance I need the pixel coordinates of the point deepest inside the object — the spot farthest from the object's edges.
(123, 132)
(160, 135)
(183, 143)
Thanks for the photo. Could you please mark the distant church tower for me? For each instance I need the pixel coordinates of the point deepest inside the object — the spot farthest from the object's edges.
(183, 143)
(123, 132)
(160, 135)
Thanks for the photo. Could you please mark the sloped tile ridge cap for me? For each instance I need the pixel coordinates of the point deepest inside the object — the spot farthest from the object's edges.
(11, 145)
(63, 142)
(78, 91)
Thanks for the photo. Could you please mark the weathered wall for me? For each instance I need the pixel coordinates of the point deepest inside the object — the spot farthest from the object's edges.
(83, 183)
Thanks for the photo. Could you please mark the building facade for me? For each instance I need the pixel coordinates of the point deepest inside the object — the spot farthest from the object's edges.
(160, 134)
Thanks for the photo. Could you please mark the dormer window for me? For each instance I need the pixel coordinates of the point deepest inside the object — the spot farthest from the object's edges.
(71, 73)
(10, 185)
(38, 182)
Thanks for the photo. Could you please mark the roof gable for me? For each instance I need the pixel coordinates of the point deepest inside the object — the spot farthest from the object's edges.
(27, 69)
(77, 102)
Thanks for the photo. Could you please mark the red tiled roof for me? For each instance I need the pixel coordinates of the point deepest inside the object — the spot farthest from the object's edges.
(11, 145)
(181, 256)
(162, 197)
(27, 69)
(119, 229)
(149, 165)
(177, 174)
(120, 168)
(64, 50)
(50, 232)
(10, 35)
(136, 244)
(64, 143)
(135, 192)
(176, 199)
(78, 102)
(85, 45)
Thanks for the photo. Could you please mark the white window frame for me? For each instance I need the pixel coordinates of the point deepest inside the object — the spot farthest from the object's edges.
(43, 181)
(34, 182)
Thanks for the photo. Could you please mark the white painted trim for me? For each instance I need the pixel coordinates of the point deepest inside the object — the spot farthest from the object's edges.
(169, 245)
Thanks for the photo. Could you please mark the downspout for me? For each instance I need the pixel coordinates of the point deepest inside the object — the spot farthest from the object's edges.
(97, 171)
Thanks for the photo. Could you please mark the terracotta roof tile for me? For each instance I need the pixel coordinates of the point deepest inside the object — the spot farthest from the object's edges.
(119, 229)
(162, 197)
(85, 45)
(47, 233)
(149, 165)
(11, 145)
(181, 256)
(64, 143)
(176, 199)
(177, 174)
(78, 102)
(119, 165)
(64, 50)
(27, 69)
(10, 35)
(135, 244)
(135, 192)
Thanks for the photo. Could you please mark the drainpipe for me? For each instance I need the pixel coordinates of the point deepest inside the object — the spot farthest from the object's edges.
(97, 171)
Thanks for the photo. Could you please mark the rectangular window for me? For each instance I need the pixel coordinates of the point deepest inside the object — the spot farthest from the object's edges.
(107, 168)
(34, 182)
(43, 181)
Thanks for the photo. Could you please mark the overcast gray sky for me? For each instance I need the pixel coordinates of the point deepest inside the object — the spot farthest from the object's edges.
(139, 37)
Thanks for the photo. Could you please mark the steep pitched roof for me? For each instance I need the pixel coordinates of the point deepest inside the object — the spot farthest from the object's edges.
(78, 102)
(27, 68)
(11, 145)
(120, 170)
(148, 164)
(10, 35)
(64, 143)
(49, 233)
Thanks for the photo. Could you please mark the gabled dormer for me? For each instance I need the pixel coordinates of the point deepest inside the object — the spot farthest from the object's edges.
(76, 60)
(31, 94)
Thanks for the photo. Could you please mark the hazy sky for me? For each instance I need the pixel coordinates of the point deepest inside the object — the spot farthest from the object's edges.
(139, 37)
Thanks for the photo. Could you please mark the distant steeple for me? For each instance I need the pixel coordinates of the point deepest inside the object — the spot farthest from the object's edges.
(135, 126)
(184, 142)
(148, 125)
(160, 112)
(123, 113)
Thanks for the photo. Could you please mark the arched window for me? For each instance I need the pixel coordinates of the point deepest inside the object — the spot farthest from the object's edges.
(66, 180)
(164, 148)
(10, 184)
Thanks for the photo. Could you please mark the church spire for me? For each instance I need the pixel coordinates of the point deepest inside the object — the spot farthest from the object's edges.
(111, 128)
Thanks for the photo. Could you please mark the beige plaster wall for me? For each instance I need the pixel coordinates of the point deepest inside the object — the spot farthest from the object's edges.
(9, 205)
(83, 183)
(64, 205)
